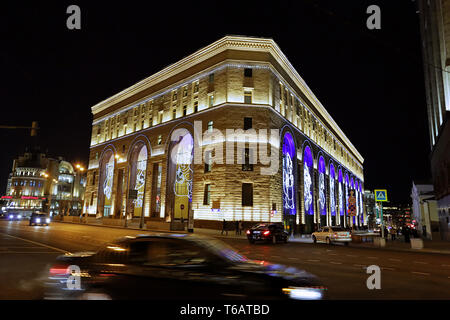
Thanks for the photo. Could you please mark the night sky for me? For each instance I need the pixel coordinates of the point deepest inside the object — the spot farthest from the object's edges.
(370, 81)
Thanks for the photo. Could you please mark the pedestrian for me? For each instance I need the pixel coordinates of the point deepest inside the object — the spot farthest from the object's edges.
(406, 234)
(392, 232)
(240, 227)
(236, 227)
(224, 227)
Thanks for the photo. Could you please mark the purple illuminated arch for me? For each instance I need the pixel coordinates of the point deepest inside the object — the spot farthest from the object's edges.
(289, 156)
(341, 197)
(332, 190)
(322, 191)
(308, 181)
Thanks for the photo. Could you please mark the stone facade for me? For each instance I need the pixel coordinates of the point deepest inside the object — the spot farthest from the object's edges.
(217, 87)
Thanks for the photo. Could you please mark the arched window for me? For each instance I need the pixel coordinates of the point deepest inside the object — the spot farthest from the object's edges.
(106, 184)
(138, 174)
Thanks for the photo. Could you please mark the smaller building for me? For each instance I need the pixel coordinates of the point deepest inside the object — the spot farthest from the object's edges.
(424, 210)
(370, 208)
(40, 183)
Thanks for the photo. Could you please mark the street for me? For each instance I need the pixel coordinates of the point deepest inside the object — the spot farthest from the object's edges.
(26, 252)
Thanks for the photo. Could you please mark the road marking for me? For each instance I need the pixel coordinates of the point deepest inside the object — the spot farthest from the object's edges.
(445, 265)
(394, 259)
(372, 257)
(293, 258)
(421, 273)
(359, 265)
(387, 268)
(350, 255)
(312, 260)
(335, 262)
(37, 243)
(275, 256)
(333, 254)
(420, 262)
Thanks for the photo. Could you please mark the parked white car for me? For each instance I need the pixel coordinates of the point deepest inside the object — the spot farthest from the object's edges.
(330, 235)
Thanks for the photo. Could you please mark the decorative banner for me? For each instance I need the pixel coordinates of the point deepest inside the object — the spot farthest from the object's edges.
(346, 192)
(341, 194)
(141, 169)
(288, 174)
(307, 181)
(322, 198)
(352, 203)
(183, 176)
(108, 183)
(332, 192)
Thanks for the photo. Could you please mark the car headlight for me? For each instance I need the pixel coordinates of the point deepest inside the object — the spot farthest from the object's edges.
(48, 220)
(38, 220)
(304, 293)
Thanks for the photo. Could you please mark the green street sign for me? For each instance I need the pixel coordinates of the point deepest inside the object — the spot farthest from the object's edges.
(381, 195)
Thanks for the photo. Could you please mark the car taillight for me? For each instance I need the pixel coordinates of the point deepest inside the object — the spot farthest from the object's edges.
(248, 231)
(59, 269)
(266, 233)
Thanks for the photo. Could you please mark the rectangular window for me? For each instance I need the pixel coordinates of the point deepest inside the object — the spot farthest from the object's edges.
(247, 166)
(92, 199)
(159, 139)
(247, 194)
(247, 97)
(174, 96)
(160, 115)
(210, 100)
(208, 161)
(196, 106)
(174, 113)
(93, 178)
(207, 195)
(247, 123)
(248, 72)
(185, 92)
(196, 87)
(156, 190)
(211, 78)
(184, 110)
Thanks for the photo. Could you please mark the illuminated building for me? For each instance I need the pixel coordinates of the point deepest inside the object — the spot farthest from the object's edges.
(434, 21)
(424, 210)
(144, 146)
(36, 181)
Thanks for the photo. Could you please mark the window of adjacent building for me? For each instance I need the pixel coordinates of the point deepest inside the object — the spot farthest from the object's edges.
(247, 166)
(210, 100)
(195, 106)
(160, 115)
(196, 87)
(150, 121)
(184, 110)
(185, 91)
(211, 78)
(247, 97)
(208, 159)
(174, 96)
(159, 139)
(247, 194)
(248, 72)
(207, 194)
(174, 113)
(210, 126)
(247, 123)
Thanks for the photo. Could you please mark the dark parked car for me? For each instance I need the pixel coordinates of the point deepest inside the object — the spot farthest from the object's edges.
(39, 219)
(273, 232)
(174, 267)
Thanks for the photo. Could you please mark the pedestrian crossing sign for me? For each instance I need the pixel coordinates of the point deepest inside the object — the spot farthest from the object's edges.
(381, 195)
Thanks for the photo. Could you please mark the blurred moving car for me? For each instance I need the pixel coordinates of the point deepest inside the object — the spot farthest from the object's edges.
(330, 235)
(15, 217)
(273, 232)
(39, 218)
(173, 267)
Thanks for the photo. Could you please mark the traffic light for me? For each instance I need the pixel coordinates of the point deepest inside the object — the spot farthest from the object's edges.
(34, 128)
